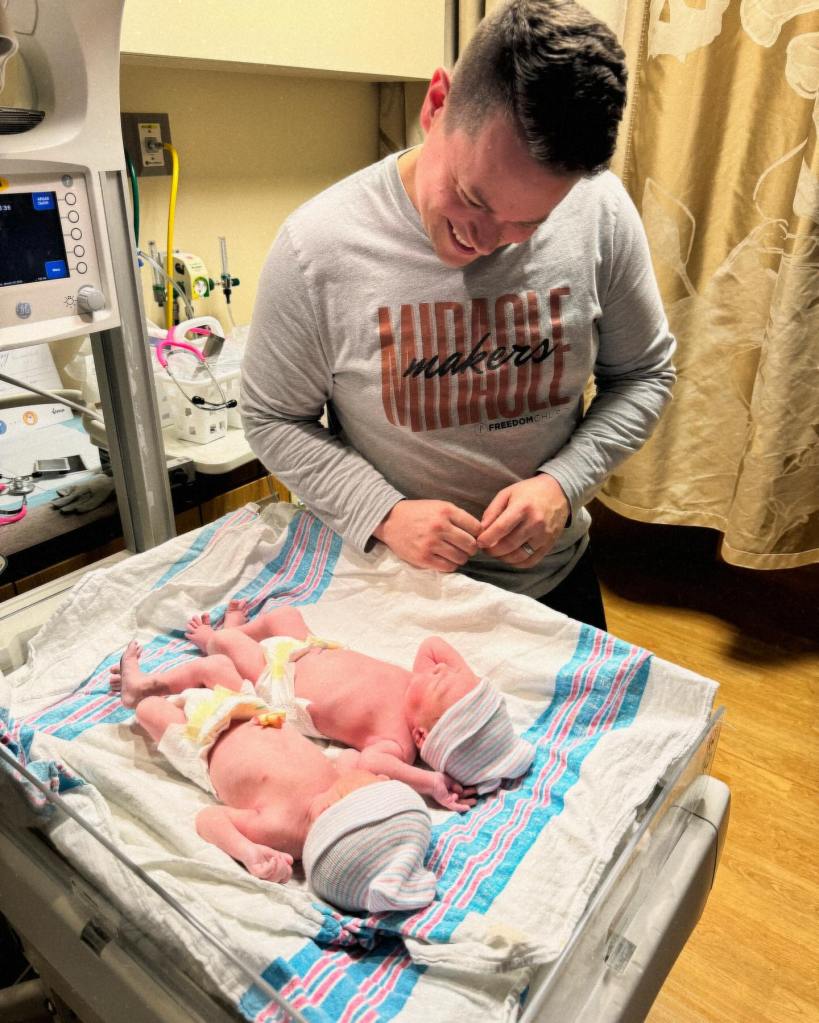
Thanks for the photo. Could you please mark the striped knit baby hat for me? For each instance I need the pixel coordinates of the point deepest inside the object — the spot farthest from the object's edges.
(366, 852)
(474, 742)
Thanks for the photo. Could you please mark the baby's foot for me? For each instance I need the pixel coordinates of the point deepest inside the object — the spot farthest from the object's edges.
(200, 631)
(126, 679)
(236, 614)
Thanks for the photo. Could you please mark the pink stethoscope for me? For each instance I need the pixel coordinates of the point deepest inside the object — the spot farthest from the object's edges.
(195, 399)
(13, 514)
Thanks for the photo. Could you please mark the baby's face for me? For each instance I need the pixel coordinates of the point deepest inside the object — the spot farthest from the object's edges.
(431, 693)
(343, 786)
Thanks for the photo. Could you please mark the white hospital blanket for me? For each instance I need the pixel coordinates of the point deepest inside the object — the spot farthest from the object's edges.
(515, 873)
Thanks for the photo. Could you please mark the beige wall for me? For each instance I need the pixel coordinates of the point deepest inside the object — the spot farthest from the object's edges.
(252, 148)
(380, 39)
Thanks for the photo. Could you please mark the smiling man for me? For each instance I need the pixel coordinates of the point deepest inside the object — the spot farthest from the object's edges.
(476, 192)
(450, 304)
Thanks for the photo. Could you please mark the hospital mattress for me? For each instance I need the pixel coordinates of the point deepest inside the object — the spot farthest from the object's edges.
(554, 872)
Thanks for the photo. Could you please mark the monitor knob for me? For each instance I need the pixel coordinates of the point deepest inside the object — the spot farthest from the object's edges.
(90, 299)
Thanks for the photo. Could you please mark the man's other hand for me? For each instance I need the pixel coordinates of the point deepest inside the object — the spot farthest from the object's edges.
(533, 512)
(430, 534)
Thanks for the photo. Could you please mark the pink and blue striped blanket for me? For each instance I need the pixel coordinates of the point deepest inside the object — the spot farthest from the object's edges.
(607, 719)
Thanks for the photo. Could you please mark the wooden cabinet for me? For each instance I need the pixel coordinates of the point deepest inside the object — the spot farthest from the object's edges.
(372, 39)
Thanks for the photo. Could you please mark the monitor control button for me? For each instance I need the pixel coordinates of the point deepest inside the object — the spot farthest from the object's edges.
(23, 310)
(90, 299)
(79, 250)
(76, 233)
(70, 198)
(73, 216)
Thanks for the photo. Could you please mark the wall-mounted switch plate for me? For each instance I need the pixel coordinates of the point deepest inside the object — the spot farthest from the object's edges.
(143, 136)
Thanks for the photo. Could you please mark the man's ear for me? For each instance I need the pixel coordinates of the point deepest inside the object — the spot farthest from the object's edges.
(419, 736)
(433, 105)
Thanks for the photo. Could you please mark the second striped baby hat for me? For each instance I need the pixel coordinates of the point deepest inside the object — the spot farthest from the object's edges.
(366, 852)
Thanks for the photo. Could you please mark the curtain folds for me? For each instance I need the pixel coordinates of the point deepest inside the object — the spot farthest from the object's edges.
(721, 157)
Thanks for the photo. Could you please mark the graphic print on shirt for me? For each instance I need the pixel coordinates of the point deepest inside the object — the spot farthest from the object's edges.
(454, 364)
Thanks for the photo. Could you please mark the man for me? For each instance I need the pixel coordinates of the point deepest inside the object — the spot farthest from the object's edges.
(450, 304)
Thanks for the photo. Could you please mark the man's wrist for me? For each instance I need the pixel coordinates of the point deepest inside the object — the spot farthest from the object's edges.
(379, 530)
(563, 492)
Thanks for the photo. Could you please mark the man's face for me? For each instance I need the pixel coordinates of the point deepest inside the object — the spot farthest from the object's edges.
(475, 194)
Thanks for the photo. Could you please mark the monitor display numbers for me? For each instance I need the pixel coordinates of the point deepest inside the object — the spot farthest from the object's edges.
(32, 248)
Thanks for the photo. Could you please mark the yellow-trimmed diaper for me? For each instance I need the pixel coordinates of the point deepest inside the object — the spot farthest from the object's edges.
(279, 651)
(211, 714)
(208, 713)
(277, 683)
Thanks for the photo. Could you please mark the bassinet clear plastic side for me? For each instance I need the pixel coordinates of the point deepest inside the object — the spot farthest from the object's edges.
(90, 927)
(646, 903)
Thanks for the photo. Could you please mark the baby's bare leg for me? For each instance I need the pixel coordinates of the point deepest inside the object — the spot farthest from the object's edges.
(244, 653)
(135, 685)
(240, 642)
(282, 621)
(154, 714)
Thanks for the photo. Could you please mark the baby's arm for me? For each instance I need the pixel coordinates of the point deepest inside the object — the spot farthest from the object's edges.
(385, 756)
(227, 828)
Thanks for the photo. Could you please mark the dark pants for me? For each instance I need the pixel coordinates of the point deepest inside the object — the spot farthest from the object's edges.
(578, 595)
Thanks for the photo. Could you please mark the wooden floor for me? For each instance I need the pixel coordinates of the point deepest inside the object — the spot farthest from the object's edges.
(755, 953)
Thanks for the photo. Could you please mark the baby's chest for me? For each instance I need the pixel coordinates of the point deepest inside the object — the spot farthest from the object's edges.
(353, 684)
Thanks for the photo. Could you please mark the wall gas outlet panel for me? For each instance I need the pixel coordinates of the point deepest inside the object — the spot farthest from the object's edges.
(143, 136)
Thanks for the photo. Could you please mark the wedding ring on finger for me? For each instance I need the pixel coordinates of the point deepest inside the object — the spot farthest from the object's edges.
(527, 549)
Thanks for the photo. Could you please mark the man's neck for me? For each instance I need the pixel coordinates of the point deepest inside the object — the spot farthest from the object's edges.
(406, 171)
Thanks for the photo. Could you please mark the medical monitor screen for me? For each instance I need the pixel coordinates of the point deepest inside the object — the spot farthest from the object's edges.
(31, 238)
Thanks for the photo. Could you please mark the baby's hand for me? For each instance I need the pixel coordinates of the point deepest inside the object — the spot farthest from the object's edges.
(269, 864)
(449, 794)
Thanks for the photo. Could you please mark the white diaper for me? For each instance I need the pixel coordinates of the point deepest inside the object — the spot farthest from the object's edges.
(277, 683)
(209, 712)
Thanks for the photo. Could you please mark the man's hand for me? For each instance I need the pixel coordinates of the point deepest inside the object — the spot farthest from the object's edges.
(533, 512)
(430, 534)
(449, 794)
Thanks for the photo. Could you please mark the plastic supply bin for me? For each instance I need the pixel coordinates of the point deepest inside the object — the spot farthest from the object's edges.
(191, 423)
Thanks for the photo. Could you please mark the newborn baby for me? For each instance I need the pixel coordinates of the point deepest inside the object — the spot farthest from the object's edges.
(457, 722)
(362, 837)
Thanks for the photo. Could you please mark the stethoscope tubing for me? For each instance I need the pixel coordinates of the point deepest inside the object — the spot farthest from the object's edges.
(196, 400)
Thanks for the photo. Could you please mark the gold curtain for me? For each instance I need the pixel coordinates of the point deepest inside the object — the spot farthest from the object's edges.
(720, 155)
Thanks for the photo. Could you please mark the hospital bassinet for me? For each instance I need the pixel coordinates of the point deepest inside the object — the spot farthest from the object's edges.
(100, 961)
(117, 940)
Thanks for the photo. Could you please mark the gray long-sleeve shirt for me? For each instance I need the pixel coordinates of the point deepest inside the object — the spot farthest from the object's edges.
(453, 383)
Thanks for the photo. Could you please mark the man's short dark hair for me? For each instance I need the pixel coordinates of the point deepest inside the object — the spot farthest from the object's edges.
(554, 68)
